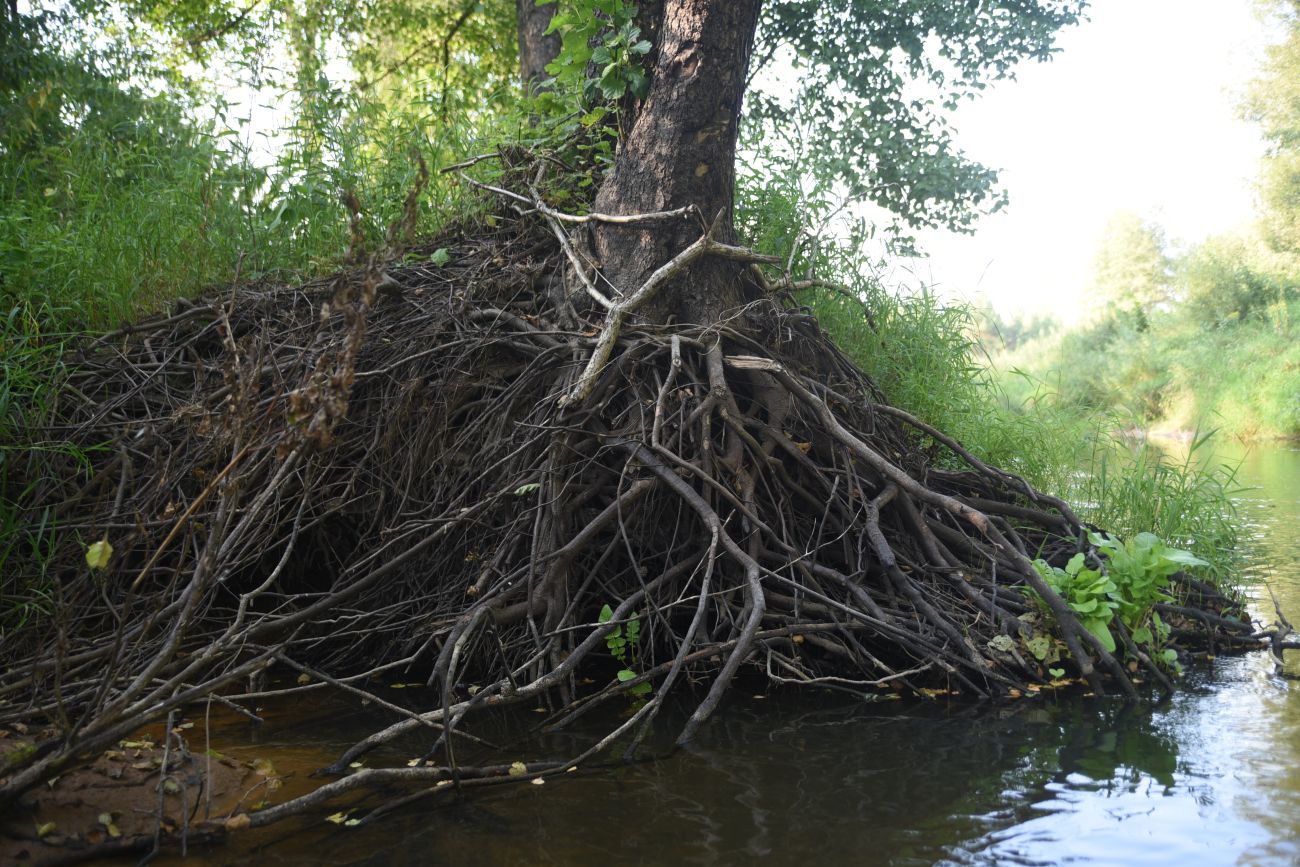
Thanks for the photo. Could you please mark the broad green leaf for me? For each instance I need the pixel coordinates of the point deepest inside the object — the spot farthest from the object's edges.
(1102, 631)
(1040, 646)
(529, 488)
(440, 257)
(606, 614)
(1183, 558)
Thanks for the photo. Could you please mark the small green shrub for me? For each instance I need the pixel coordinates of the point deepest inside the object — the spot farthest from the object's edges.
(1090, 593)
(623, 642)
(1135, 579)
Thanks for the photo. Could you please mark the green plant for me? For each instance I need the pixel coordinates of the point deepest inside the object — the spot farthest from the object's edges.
(1140, 569)
(1088, 592)
(623, 642)
(1135, 579)
(603, 34)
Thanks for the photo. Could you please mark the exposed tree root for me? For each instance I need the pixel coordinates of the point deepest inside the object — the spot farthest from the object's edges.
(422, 469)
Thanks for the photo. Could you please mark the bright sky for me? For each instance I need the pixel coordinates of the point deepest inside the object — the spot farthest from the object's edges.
(1138, 112)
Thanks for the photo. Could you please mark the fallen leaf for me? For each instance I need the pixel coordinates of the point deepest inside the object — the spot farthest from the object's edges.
(98, 554)
(518, 769)
(538, 781)
(106, 819)
(304, 679)
(337, 818)
(45, 829)
(238, 823)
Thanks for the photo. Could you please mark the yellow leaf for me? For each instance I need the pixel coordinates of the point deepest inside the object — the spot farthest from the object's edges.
(238, 823)
(337, 818)
(97, 554)
(304, 679)
(45, 829)
(106, 819)
(518, 769)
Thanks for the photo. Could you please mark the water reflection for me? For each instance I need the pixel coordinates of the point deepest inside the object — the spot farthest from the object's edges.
(1212, 776)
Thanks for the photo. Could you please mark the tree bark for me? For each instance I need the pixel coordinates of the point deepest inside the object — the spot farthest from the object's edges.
(536, 48)
(680, 149)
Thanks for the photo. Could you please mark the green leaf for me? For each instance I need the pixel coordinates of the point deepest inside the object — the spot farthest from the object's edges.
(1056, 672)
(1102, 631)
(1169, 656)
(626, 674)
(440, 257)
(606, 614)
(1183, 558)
(1142, 636)
(1040, 646)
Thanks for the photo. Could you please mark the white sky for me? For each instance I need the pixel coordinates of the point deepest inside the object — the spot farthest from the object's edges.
(1138, 112)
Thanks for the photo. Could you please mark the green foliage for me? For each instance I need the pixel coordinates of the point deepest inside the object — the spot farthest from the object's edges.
(1274, 103)
(1141, 568)
(1089, 593)
(1131, 271)
(603, 35)
(623, 643)
(871, 82)
(1135, 579)
(1186, 499)
(1228, 279)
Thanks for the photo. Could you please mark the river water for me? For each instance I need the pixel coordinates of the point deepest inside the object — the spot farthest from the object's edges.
(1212, 776)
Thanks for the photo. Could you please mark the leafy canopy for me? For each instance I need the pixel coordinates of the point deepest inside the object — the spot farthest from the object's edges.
(873, 79)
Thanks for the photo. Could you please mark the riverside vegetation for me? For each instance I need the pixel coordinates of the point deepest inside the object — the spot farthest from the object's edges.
(1180, 337)
(356, 403)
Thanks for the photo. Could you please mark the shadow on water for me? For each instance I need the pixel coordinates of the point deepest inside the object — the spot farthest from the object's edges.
(1211, 776)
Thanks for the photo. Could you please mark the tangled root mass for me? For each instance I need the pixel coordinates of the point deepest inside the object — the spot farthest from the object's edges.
(379, 472)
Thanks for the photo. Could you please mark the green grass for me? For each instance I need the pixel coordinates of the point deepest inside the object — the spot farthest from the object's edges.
(1241, 377)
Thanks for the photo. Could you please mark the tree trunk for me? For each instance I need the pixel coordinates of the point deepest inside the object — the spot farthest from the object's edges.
(680, 149)
(536, 48)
